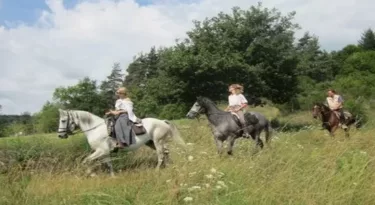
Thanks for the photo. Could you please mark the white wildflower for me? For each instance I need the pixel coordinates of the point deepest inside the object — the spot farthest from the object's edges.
(190, 158)
(192, 174)
(218, 187)
(203, 152)
(209, 176)
(168, 181)
(355, 184)
(183, 184)
(213, 170)
(194, 188)
(300, 146)
(189, 144)
(207, 185)
(221, 183)
(220, 174)
(363, 152)
(188, 198)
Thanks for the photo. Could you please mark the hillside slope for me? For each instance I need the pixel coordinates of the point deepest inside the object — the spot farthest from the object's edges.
(301, 167)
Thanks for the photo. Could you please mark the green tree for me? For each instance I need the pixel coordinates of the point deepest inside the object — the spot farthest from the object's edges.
(83, 96)
(48, 118)
(142, 68)
(109, 86)
(367, 41)
(253, 47)
(313, 62)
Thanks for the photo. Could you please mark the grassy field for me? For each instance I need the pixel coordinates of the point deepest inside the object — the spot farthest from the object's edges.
(303, 166)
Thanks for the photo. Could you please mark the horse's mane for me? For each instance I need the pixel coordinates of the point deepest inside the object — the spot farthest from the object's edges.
(205, 101)
(324, 106)
(85, 116)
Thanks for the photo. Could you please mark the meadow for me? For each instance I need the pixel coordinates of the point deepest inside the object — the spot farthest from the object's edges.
(302, 166)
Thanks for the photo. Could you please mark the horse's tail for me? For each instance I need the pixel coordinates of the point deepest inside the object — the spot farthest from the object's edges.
(175, 134)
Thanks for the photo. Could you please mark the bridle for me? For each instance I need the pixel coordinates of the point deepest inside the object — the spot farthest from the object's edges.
(67, 129)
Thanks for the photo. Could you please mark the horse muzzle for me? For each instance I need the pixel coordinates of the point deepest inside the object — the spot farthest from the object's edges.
(63, 135)
(191, 115)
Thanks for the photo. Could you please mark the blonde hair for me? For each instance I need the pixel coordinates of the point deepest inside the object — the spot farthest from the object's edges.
(123, 90)
(237, 87)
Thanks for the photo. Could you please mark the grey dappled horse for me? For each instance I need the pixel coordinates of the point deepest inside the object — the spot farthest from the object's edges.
(226, 126)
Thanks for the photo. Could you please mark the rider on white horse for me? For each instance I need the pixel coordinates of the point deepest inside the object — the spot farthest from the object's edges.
(125, 119)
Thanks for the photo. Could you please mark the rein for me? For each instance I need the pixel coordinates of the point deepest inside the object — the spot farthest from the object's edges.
(324, 113)
(73, 133)
(69, 132)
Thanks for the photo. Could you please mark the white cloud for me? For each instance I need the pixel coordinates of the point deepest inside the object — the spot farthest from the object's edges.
(66, 44)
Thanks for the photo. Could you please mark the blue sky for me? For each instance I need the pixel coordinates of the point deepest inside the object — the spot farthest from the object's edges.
(39, 53)
(28, 11)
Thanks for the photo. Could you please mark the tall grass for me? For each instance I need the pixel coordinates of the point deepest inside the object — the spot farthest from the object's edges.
(302, 166)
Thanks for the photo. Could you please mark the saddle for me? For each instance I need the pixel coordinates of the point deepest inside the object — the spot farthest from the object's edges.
(347, 114)
(249, 118)
(137, 127)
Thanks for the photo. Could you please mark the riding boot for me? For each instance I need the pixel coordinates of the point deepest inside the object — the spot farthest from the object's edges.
(342, 121)
(245, 132)
(121, 145)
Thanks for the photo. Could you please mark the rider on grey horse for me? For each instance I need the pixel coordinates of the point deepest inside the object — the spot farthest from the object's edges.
(335, 103)
(237, 102)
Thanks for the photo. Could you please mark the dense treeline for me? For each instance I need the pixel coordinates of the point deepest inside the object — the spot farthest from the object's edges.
(255, 47)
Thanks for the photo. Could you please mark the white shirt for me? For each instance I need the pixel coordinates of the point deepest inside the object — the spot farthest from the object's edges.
(127, 105)
(237, 100)
(334, 101)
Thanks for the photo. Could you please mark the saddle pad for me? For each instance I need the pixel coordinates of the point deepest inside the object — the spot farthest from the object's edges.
(235, 115)
(346, 114)
(138, 129)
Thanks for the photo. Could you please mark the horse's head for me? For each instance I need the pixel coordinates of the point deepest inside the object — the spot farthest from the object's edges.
(199, 107)
(318, 109)
(67, 124)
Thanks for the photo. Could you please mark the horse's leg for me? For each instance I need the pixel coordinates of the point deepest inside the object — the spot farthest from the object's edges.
(166, 159)
(332, 130)
(231, 141)
(159, 151)
(219, 145)
(258, 142)
(268, 134)
(98, 153)
(108, 162)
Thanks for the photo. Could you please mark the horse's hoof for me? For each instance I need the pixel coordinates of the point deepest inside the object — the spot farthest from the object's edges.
(230, 153)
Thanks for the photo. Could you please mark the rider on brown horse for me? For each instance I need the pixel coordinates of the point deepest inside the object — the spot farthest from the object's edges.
(335, 103)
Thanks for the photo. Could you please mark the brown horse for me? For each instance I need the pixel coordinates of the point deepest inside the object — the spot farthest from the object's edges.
(330, 119)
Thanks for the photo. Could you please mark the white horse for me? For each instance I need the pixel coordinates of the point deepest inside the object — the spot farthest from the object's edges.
(95, 129)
